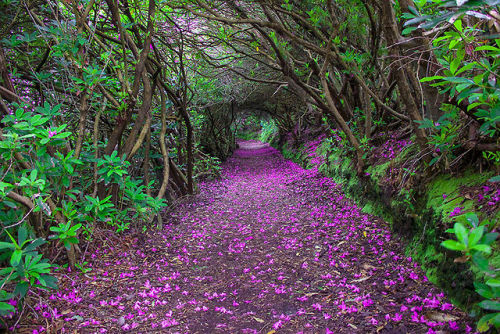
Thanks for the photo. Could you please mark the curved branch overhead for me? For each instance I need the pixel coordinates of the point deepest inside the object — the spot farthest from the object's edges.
(118, 115)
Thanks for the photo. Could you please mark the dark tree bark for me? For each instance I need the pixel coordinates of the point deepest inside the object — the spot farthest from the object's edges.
(393, 37)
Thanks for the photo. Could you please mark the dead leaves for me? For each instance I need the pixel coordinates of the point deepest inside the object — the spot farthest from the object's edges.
(259, 320)
(440, 317)
(361, 279)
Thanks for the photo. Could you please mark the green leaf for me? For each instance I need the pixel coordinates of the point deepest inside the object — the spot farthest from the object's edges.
(481, 262)
(75, 228)
(33, 175)
(16, 257)
(487, 48)
(483, 290)
(73, 240)
(486, 321)
(408, 30)
(69, 168)
(489, 238)
(493, 282)
(482, 248)
(50, 281)
(453, 245)
(21, 289)
(22, 234)
(55, 229)
(478, 79)
(6, 309)
(471, 217)
(62, 135)
(496, 320)
(427, 79)
(476, 235)
(466, 68)
(42, 281)
(490, 305)
(463, 86)
(461, 233)
(10, 204)
(35, 244)
(454, 65)
(4, 245)
(434, 160)
(458, 80)
(65, 181)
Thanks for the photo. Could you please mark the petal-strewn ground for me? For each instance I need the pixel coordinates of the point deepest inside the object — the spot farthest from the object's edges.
(270, 247)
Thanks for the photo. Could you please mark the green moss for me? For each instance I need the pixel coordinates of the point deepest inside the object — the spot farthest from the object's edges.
(323, 169)
(323, 149)
(379, 171)
(368, 208)
(431, 274)
(449, 185)
(334, 158)
(290, 154)
(407, 153)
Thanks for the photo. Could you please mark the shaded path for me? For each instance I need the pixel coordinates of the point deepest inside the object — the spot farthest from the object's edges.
(271, 246)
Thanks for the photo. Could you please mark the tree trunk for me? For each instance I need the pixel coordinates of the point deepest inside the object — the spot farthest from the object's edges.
(189, 149)
(338, 118)
(392, 36)
(124, 117)
(367, 108)
(163, 146)
(143, 115)
(427, 66)
(146, 162)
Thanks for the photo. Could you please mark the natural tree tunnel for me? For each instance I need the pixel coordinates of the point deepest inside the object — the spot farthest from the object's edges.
(249, 166)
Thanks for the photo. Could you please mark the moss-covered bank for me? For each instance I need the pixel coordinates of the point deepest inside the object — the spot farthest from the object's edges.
(420, 217)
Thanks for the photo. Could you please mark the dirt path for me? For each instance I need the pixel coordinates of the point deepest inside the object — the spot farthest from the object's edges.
(270, 247)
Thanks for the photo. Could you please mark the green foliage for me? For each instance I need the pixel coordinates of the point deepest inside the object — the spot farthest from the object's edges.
(209, 167)
(249, 128)
(470, 58)
(99, 209)
(444, 136)
(83, 267)
(471, 80)
(66, 233)
(474, 241)
(140, 205)
(431, 13)
(26, 268)
(268, 131)
(39, 169)
(30, 133)
(113, 168)
(494, 157)
(31, 137)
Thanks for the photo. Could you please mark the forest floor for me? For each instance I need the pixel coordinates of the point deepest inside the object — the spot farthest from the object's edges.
(270, 247)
